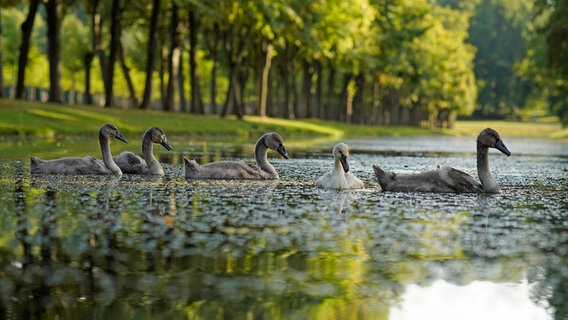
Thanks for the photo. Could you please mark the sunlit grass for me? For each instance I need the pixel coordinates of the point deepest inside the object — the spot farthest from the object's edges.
(47, 120)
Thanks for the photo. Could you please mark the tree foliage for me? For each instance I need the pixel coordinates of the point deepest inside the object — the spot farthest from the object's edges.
(418, 62)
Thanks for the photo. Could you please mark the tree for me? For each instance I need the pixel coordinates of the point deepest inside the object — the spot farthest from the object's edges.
(546, 59)
(114, 46)
(54, 9)
(151, 55)
(27, 28)
(194, 28)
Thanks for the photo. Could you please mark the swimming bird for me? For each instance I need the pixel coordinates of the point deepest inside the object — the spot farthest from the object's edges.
(240, 169)
(131, 163)
(340, 177)
(87, 164)
(447, 179)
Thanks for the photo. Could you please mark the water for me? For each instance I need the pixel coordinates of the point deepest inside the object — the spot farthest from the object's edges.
(137, 247)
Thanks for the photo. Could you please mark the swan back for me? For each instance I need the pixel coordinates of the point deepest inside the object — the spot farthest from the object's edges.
(240, 169)
(87, 164)
(447, 179)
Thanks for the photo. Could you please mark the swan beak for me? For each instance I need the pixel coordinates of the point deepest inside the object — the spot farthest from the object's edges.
(501, 147)
(166, 145)
(344, 163)
(120, 137)
(282, 151)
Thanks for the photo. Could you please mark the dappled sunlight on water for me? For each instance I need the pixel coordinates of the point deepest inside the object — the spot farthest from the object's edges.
(164, 247)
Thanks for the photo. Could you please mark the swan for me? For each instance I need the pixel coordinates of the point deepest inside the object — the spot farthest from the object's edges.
(340, 177)
(131, 163)
(87, 164)
(241, 169)
(447, 179)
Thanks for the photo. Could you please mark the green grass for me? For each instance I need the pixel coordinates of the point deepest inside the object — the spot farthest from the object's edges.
(21, 118)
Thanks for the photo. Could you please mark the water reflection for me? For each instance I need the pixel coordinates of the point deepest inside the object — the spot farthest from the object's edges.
(139, 247)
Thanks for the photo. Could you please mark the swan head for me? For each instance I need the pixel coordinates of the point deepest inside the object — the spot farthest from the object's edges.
(274, 141)
(490, 138)
(158, 136)
(341, 152)
(110, 131)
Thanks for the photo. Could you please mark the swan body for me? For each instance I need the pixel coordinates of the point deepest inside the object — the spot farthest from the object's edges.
(447, 179)
(340, 177)
(240, 169)
(87, 164)
(131, 163)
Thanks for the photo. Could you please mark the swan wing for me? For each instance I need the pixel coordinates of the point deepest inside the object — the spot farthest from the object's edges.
(128, 162)
(223, 170)
(353, 182)
(459, 181)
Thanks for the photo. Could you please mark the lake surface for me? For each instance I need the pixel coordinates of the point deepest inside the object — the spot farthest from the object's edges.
(136, 247)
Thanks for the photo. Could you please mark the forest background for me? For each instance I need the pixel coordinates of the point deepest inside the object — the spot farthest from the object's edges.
(376, 62)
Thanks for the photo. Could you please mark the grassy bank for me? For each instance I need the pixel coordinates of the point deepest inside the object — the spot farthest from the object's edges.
(48, 120)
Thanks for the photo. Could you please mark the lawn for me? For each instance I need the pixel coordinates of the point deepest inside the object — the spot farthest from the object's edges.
(21, 118)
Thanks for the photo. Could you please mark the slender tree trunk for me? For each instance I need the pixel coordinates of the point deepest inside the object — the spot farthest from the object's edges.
(97, 25)
(27, 28)
(181, 83)
(151, 56)
(358, 99)
(227, 106)
(213, 51)
(305, 106)
(234, 48)
(114, 47)
(268, 50)
(196, 101)
(345, 100)
(129, 84)
(162, 72)
(329, 105)
(318, 102)
(173, 58)
(54, 16)
(88, 62)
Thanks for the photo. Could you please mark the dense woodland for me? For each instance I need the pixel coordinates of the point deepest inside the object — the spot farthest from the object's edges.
(381, 62)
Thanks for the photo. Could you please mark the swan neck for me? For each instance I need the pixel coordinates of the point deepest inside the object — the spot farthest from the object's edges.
(107, 157)
(338, 166)
(260, 156)
(487, 180)
(148, 151)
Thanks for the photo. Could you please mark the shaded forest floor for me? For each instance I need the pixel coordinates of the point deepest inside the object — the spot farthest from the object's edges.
(21, 118)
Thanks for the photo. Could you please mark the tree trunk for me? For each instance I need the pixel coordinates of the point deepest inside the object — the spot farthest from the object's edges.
(196, 101)
(358, 99)
(235, 50)
(97, 26)
(151, 56)
(114, 47)
(330, 107)
(345, 100)
(181, 84)
(376, 116)
(27, 28)
(87, 63)
(318, 102)
(213, 51)
(305, 107)
(129, 84)
(54, 16)
(268, 50)
(173, 58)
